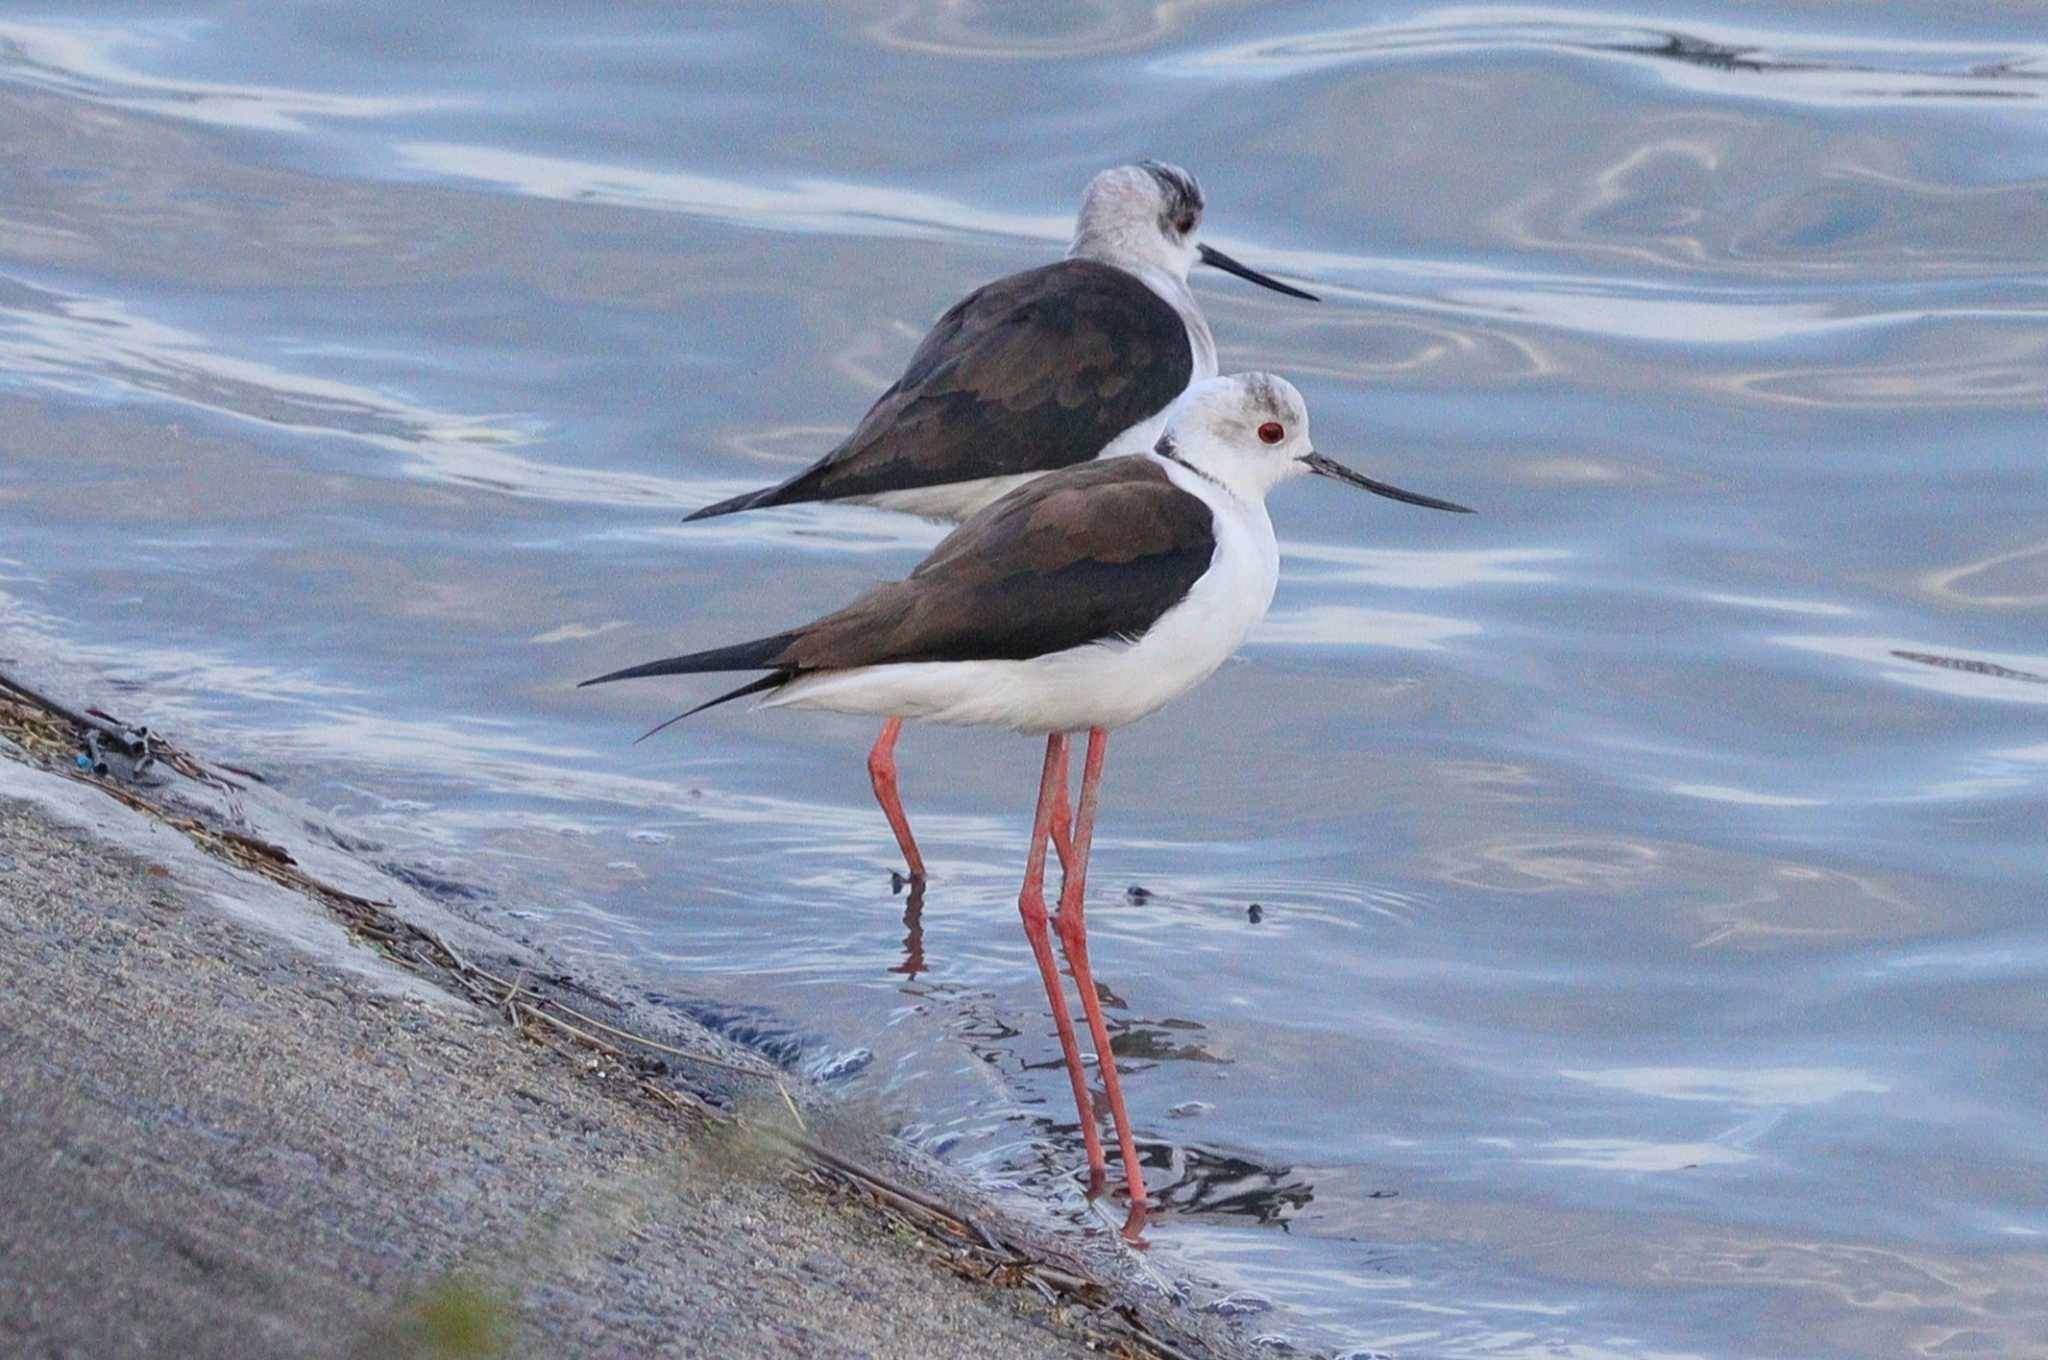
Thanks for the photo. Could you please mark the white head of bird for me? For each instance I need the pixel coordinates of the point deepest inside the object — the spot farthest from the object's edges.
(1248, 432)
(1141, 214)
(1146, 219)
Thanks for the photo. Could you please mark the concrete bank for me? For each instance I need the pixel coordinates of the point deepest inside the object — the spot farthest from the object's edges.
(233, 1124)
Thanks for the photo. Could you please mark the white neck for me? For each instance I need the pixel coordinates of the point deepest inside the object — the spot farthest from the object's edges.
(1225, 479)
(1247, 551)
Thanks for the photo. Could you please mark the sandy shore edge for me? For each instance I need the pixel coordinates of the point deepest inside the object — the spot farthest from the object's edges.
(255, 1100)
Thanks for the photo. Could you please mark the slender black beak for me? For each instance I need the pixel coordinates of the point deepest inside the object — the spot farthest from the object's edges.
(1330, 467)
(1211, 255)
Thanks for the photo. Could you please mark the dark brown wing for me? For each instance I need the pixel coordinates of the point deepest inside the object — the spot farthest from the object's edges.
(1036, 371)
(1084, 555)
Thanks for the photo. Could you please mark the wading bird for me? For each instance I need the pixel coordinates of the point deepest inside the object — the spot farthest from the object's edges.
(1039, 370)
(1084, 600)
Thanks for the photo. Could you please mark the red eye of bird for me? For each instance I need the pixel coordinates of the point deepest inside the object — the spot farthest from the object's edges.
(1271, 432)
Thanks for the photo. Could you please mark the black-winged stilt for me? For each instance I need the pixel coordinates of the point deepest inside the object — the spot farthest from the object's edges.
(1084, 600)
(1039, 370)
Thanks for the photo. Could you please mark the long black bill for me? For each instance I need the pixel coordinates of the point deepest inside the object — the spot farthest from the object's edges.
(1330, 467)
(1211, 255)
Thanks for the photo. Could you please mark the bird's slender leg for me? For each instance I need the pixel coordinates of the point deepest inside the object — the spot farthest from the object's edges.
(1063, 825)
(1073, 929)
(1031, 906)
(882, 774)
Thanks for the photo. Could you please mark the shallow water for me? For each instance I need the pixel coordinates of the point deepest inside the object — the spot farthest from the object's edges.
(1650, 958)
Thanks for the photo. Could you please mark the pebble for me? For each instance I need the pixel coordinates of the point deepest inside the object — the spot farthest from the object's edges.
(6, 864)
(1188, 1109)
(1239, 1305)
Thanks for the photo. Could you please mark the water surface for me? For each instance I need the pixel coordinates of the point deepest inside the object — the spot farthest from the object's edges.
(1649, 959)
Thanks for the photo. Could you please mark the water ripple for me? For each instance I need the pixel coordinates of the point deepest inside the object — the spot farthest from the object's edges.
(1721, 59)
(86, 62)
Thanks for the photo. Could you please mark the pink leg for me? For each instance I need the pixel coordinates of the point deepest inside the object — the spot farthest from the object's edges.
(1031, 906)
(1062, 825)
(1073, 928)
(882, 773)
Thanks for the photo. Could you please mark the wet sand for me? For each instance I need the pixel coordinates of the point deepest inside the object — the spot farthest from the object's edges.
(227, 1128)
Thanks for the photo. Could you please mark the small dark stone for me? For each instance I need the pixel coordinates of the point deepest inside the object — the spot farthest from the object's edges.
(1255, 913)
(1243, 1304)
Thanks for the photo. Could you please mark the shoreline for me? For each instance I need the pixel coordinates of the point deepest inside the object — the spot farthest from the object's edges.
(261, 1099)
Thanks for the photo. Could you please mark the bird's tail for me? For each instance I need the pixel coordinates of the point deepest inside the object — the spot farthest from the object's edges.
(778, 494)
(761, 653)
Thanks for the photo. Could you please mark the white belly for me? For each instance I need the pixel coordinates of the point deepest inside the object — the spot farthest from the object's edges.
(953, 501)
(956, 501)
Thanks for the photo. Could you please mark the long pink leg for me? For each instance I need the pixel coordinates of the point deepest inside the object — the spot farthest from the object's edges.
(1063, 824)
(1073, 929)
(1031, 906)
(882, 774)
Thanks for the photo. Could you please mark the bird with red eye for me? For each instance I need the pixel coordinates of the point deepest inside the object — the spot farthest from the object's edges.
(1082, 601)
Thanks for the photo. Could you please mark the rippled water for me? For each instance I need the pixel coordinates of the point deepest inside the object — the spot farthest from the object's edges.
(1650, 959)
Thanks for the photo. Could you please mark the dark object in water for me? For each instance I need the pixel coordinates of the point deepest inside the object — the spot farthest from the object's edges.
(1137, 896)
(1255, 913)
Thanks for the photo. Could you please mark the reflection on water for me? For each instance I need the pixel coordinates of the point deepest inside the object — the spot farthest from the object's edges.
(810, 205)
(83, 61)
(1818, 68)
(1605, 926)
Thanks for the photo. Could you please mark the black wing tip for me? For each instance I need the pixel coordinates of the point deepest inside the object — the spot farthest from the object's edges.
(774, 680)
(733, 505)
(629, 673)
(760, 654)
